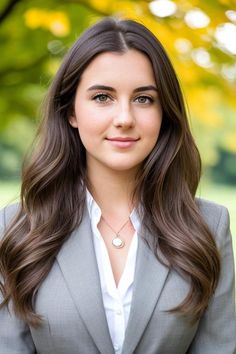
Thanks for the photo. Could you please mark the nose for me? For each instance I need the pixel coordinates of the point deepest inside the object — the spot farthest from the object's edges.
(124, 117)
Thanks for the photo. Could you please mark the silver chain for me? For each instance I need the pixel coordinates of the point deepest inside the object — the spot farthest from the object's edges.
(118, 232)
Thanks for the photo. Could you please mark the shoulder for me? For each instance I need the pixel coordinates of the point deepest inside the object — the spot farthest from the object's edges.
(7, 214)
(211, 210)
(215, 215)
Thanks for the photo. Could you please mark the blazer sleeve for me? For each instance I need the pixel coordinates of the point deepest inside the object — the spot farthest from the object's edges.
(15, 336)
(217, 328)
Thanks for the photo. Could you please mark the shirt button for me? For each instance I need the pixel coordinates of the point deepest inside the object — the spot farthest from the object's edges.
(119, 312)
(116, 348)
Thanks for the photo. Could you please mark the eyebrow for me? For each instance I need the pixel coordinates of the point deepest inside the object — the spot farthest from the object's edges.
(109, 88)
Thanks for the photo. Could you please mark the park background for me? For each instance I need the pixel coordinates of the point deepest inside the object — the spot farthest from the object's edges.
(199, 37)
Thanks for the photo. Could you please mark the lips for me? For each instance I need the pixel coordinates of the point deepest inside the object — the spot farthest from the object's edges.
(122, 142)
(122, 139)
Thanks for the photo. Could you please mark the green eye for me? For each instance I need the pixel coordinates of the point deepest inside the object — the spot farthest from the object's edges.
(144, 99)
(101, 97)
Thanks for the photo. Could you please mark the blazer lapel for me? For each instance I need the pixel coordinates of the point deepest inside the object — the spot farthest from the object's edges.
(78, 264)
(150, 276)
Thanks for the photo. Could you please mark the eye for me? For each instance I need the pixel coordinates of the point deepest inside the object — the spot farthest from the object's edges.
(101, 98)
(144, 99)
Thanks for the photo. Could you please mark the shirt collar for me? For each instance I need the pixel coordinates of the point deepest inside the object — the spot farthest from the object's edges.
(96, 213)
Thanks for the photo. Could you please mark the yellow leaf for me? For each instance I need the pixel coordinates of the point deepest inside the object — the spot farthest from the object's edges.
(202, 104)
(59, 24)
(230, 142)
(34, 18)
(56, 22)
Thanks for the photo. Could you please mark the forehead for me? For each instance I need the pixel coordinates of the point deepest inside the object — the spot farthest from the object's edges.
(132, 65)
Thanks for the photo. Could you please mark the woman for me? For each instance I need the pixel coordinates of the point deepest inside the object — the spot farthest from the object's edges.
(108, 250)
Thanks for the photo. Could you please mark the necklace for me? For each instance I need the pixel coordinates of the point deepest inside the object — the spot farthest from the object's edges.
(117, 242)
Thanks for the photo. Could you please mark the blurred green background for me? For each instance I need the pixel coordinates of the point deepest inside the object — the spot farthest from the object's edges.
(199, 37)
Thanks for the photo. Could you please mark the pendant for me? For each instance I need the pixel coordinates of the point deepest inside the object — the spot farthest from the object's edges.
(117, 242)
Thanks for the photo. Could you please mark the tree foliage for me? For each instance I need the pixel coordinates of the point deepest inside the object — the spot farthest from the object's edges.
(34, 35)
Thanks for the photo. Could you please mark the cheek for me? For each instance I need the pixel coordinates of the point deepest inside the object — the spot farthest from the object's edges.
(91, 118)
(150, 121)
(91, 130)
(152, 127)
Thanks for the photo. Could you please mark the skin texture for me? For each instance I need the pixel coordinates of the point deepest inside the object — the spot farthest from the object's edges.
(103, 114)
(125, 111)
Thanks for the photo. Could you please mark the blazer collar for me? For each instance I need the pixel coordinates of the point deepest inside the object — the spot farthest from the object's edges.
(149, 280)
(78, 264)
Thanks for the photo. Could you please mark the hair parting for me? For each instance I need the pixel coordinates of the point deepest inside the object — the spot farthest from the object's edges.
(54, 182)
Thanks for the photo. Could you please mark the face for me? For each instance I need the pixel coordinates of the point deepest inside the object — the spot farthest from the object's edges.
(117, 111)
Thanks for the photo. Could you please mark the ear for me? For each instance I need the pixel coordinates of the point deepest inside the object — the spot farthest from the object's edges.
(73, 121)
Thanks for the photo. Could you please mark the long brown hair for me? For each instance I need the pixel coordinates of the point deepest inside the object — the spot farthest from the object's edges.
(54, 181)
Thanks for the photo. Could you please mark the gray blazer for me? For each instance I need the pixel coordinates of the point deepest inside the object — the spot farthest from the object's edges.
(70, 301)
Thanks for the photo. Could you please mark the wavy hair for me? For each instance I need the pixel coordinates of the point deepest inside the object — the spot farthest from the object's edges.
(54, 181)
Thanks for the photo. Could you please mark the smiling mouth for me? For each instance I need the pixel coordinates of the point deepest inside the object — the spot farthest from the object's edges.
(122, 143)
(121, 139)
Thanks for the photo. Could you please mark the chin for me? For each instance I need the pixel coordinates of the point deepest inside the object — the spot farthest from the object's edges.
(124, 167)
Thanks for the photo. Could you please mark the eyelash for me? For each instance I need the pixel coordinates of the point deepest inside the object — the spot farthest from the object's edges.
(99, 95)
(149, 98)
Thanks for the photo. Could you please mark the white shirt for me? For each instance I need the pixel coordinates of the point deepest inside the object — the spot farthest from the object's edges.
(116, 300)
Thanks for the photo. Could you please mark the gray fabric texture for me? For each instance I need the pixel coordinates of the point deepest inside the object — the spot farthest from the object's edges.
(70, 302)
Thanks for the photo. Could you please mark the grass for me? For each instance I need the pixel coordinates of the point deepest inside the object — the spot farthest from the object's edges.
(224, 195)
(9, 192)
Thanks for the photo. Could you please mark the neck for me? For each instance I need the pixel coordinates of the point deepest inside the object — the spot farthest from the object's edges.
(112, 191)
